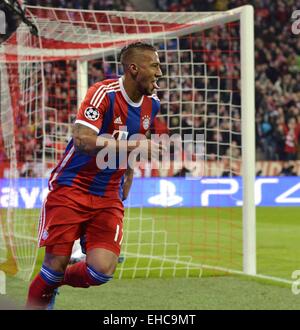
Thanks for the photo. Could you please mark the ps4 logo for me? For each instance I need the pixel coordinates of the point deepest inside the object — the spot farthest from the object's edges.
(224, 192)
(231, 187)
(167, 195)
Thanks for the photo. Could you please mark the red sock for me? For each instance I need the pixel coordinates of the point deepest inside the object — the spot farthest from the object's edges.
(77, 276)
(80, 275)
(40, 293)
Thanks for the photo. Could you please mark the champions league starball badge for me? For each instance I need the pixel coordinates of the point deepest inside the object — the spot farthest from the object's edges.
(91, 113)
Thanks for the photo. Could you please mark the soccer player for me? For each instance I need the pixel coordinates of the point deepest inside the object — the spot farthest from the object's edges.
(85, 199)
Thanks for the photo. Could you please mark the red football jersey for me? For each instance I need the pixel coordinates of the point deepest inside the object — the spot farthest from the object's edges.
(105, 109)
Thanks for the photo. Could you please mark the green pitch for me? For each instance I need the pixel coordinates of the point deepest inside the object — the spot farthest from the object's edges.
(193, 237)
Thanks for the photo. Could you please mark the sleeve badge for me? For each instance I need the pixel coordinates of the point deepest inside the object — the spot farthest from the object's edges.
(91, 113)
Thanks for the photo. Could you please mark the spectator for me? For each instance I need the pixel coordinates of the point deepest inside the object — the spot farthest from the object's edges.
(291, 139)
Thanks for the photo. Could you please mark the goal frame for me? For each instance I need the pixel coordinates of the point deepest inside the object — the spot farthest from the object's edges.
(245, 14)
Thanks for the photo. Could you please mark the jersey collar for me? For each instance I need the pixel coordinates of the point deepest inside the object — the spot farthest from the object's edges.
(126, 97)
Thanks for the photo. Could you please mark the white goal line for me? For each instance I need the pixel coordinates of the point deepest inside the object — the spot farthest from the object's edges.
(222, 269)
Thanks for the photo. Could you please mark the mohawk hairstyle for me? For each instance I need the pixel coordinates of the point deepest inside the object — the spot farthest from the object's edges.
(128, 50)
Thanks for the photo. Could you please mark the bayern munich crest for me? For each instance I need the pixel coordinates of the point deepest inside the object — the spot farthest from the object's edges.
(91, 113)
(146, 122)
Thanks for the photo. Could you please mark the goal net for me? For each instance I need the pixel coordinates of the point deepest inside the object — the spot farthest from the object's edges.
(21, 93)
(195, 213)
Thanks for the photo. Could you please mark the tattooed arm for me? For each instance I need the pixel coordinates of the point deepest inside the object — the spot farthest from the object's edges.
(84, 139)
(87, 141)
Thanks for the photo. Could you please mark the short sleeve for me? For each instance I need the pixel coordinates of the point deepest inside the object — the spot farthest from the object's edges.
(93, 107)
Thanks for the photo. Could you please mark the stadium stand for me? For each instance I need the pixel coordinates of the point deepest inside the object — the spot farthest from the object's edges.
(277, 55)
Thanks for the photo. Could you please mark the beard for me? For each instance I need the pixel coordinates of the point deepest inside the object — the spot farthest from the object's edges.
(146, 89)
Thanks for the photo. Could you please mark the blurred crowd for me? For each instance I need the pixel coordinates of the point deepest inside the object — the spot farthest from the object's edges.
(277, 58)
(277, 85)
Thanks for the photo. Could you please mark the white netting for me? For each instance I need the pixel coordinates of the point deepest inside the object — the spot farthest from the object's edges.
(21, 120)
(200, 94)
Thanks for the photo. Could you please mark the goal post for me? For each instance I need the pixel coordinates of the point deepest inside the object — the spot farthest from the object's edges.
(248, 139)
(82, 80)
(208, 88)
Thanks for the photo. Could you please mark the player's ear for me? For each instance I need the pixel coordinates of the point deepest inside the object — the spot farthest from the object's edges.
(133, 68)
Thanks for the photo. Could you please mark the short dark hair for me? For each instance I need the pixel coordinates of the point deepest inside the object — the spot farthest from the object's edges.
(128, 50)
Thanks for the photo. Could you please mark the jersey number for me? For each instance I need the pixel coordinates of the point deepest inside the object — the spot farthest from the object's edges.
(117, 235)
